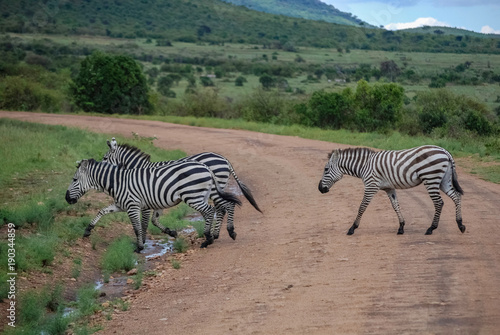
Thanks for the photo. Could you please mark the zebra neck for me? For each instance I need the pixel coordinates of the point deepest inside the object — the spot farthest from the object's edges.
(353, 163)
(104, 176)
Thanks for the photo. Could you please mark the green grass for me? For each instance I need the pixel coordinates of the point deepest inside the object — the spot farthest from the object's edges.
(41, 312)
(119, 256)
(180, 245)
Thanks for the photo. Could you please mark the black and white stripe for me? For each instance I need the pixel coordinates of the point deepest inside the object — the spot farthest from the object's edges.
(132, 157)
(142, 190)
(390, 170)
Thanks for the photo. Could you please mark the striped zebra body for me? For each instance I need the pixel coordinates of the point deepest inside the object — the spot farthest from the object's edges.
(132, 157)
(400, 169)
(142, 190)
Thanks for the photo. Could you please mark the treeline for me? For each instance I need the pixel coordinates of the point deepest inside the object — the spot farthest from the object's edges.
(32, 81)
(217, 22)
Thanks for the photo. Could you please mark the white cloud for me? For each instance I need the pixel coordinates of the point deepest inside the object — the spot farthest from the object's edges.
(420, 22)
(489, 30)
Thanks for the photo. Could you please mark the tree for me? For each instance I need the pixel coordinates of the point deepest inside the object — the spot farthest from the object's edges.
(240, 80)
(267, 81)
(390, 69)
(111, 84)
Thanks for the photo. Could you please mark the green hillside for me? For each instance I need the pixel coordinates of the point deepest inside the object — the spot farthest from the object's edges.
(215, 22)
(305, 9)
(448, 31)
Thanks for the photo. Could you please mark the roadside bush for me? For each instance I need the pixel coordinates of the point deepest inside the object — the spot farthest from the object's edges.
(378, 107)
(18, 93)
(204, 102)
(265, 106)
(331, 110)
(454, 114)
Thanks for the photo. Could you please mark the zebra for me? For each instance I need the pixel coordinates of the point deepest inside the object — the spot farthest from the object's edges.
(390, 170)
(142, 190)
(133, 157)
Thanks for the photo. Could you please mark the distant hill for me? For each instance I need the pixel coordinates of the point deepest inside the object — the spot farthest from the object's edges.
(215, 22)
(306, 9)
(448, 31)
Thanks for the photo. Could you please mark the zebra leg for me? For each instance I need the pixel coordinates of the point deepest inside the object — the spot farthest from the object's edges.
(134, 213)
(457, 199)
(145, 215)
(395, 204)
(113, 208)
(156, 222)
(207, 212)
(230, 221)
(368, 196)
(433, 191)
(220, 211)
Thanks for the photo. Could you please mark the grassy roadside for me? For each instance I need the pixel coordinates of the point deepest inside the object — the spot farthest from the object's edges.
(53, 264)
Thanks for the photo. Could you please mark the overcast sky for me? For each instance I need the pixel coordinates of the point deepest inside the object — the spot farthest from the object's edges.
(477, 15)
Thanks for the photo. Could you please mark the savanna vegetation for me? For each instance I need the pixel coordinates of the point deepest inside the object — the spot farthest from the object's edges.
(48, 230)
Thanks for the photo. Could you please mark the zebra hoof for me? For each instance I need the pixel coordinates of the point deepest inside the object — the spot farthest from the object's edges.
(233, 235)
(87, 233)
(351, 231)
(401, 231)
(462, 228)
(171, 233)
(138, 250)
(429, 231)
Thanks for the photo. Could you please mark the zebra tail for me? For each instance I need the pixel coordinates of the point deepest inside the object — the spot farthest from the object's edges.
(244, 189)
(454, 180)
(224, 195)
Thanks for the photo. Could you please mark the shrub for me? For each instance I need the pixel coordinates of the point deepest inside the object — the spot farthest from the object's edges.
(379, 106)
(331, 110)
(111, 84)
(456, 114)
(206, 81)
(240, 80)
(17, 93)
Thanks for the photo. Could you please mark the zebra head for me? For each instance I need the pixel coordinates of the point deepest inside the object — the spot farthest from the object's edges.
(332, 173)
(110, 156)
(80, 184)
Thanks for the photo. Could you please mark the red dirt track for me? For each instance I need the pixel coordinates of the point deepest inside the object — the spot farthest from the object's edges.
(293, 269)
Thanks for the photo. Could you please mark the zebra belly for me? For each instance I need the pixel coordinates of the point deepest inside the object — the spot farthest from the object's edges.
(400, 183)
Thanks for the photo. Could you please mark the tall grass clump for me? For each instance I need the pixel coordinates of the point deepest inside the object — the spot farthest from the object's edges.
(119, 256)
(41, 312)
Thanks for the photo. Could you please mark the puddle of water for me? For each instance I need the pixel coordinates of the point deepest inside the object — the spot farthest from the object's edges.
(156, 248)
(153, 249)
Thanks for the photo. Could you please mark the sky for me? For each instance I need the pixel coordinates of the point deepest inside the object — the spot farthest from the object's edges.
(476, 15)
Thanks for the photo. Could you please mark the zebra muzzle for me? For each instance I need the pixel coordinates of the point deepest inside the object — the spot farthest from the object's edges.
(70, 200)
(323, 189)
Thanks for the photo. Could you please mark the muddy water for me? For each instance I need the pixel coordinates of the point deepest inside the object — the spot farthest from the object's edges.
(154, 249)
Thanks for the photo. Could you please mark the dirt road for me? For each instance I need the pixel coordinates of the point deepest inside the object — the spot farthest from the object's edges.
(293, 270)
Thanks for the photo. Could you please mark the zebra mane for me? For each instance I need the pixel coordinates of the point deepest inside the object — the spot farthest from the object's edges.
(90, 161)
(349, 150)
(135, 150)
